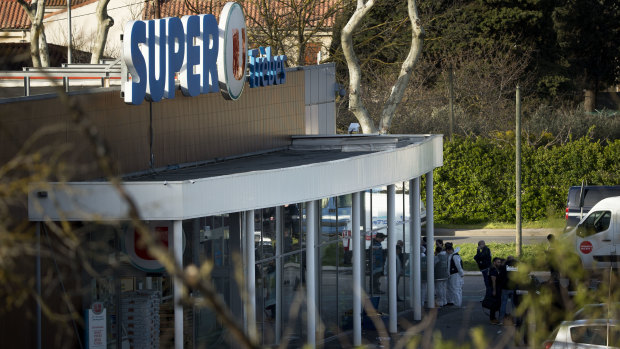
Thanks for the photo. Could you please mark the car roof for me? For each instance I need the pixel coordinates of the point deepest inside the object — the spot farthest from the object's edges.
(607, 203)
(583, 322)
(599, 310)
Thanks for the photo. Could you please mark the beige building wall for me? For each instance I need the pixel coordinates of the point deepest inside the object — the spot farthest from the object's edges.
(185, 129)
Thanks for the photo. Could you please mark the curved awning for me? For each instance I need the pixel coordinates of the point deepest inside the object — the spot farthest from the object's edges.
(312, 167)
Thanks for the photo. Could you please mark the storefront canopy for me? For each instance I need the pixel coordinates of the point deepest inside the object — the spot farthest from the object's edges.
(312, 167)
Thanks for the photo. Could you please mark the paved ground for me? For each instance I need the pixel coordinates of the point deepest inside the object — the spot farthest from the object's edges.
(457, 325)
(454, 324)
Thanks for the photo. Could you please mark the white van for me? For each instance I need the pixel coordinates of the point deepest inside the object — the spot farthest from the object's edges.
(597, 236)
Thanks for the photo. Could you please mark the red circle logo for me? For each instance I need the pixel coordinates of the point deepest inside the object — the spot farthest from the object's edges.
(585, 247)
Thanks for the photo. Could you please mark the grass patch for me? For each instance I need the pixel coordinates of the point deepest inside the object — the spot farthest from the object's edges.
(531, 253)
(549, 223)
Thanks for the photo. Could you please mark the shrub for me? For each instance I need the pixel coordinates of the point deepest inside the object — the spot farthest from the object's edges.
(477, 180)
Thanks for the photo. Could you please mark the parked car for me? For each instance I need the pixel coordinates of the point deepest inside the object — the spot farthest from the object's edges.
(582, 198)
(588, 333)
(598, 310)
(597, 236)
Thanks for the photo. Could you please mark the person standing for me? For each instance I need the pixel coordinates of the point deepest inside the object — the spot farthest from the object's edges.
(441, 276)
(455, 279)
(399, 269)
(495, 290)
(439, 243)
(507, 276)
(377, 262)
(483, 259)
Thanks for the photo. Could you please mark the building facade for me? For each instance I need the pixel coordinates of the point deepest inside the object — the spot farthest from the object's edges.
(280, 215)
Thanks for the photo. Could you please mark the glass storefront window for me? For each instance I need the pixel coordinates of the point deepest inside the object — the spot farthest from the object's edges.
(265, 233)
(292, 228)
(211, 239)
(293, 295)
(328, 286)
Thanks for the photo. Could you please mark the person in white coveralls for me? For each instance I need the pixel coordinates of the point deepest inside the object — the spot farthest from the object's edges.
(454, 292)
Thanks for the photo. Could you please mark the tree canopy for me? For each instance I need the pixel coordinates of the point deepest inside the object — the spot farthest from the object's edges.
(572, 44)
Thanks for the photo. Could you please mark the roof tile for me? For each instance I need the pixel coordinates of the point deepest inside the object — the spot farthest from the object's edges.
(13, 16)
(178, 8)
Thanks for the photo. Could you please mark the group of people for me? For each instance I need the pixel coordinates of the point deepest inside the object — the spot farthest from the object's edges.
(449, 275)
(448, 267)
(498, 274)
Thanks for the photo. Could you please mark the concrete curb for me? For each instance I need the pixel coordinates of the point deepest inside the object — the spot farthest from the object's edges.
(494, 232)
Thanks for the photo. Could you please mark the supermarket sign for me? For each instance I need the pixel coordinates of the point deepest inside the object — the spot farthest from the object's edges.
(139, 254)
(208, 57)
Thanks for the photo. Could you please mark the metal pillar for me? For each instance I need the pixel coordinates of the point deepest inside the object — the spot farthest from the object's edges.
(357, 271)
(391, 242)
(430, 242)
(415, 271)
(177, 252)
(250, 268)
(27, 86)
(69, 31)
(38, 276)
(310, 272)
(279, 251)
(518, 173)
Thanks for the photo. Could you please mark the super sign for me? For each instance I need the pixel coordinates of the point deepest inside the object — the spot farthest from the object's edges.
(208, 57)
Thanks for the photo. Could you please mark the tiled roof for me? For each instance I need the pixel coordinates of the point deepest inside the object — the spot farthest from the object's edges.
(62, 3)
(178, 8)
(14, 56)
(13, 16)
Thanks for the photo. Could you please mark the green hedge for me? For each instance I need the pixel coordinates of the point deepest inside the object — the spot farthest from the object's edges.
(477, 180)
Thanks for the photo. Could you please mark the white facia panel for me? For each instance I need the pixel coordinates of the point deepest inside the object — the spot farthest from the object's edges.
(236, 192)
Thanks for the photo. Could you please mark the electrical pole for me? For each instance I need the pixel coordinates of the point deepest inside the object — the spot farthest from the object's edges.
(518, 171)
(69, 31)
(450, 82)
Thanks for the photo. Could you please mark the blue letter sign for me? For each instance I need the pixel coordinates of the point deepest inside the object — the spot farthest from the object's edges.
(207, 57)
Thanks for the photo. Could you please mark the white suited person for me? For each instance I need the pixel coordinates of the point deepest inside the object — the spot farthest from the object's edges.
(454, 292)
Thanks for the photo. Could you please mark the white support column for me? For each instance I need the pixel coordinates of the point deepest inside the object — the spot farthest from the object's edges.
(38, 276)
(430, 241)
(177, 252)
(279, 251)
(414, 265)
(310, 272)
(357, 271)
(391, 242)
(250, 308)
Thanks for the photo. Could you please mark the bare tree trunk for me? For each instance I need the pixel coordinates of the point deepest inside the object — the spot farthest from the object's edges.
(356, 106)
(104, 22)
(38, 44)
(417, 39)
(590, 100)
(43, 48)
(615, 98)
(157, 14)
(34, 45)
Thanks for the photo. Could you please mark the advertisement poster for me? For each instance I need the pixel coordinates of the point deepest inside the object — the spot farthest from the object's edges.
(97, 327)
